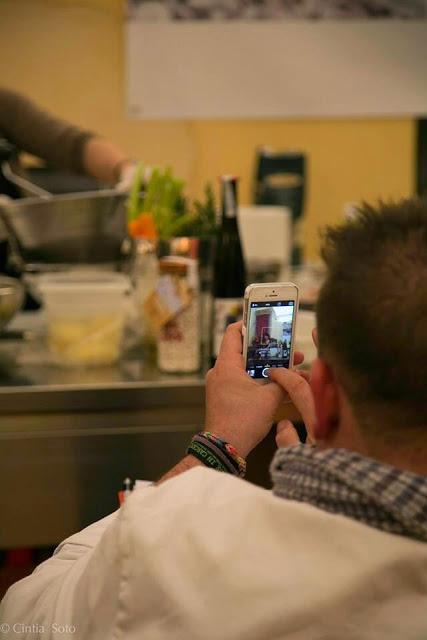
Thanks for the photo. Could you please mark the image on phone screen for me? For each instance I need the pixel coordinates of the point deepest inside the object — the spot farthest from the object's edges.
(269, 336)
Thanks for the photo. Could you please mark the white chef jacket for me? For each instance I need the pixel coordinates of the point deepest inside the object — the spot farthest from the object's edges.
(207, 556)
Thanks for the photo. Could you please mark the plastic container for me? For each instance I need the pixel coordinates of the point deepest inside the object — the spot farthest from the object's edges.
(85, 315)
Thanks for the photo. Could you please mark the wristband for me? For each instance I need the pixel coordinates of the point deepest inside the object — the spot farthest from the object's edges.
(209, 459)
(223, 453)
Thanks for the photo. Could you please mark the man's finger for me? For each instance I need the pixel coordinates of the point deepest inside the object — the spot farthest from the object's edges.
(231, 346)
(299, 392)
(286, 434)
(298, 357)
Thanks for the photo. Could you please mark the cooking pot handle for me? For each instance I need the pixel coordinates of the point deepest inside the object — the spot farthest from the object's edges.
(23, 183)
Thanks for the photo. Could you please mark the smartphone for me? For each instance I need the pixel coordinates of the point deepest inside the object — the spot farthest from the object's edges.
(269, 321)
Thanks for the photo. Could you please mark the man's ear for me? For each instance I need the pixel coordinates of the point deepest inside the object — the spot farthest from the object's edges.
(325, 394)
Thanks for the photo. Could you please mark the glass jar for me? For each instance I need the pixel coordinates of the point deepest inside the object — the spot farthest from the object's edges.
(179, 340)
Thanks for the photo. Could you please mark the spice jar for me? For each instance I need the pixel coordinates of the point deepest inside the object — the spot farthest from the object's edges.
(179, 339)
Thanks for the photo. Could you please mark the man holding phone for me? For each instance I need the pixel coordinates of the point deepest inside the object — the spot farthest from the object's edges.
(338, 549)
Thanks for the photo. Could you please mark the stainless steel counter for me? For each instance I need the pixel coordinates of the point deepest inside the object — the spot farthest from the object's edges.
(34, 385)
(69, 437)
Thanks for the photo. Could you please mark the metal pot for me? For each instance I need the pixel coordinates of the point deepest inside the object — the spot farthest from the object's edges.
(76, 228)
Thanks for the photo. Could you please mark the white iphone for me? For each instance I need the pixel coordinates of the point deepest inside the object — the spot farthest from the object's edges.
(269, 321)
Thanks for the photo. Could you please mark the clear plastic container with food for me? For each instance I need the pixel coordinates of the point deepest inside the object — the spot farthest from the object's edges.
(85, 315)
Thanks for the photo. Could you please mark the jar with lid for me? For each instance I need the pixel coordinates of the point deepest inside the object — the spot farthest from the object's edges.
(179, 340)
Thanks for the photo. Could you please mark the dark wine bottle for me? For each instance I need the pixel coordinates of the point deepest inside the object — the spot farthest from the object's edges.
(230, 273)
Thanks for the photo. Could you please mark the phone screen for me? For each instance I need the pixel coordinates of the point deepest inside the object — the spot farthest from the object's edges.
(269, 327)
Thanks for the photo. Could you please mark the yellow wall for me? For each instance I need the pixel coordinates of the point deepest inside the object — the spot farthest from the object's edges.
(68, 55)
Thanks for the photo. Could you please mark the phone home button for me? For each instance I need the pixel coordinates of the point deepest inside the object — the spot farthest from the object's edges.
(265, 372)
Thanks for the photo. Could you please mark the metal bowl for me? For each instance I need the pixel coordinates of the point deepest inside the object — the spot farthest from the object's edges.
(77, 228)
(11, 299)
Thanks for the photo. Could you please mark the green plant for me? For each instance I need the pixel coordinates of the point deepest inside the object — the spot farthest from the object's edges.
(163, 198)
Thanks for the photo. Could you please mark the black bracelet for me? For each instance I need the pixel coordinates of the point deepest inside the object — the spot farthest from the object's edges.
(203, 453)
(228, 462)
(223, 450)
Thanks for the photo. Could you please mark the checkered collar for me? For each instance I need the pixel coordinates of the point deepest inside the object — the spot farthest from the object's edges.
(344, 482)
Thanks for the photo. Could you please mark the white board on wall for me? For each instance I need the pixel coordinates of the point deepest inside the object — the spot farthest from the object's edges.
(276, 69)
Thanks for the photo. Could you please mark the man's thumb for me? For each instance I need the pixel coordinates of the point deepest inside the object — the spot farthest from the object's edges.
(286, 434)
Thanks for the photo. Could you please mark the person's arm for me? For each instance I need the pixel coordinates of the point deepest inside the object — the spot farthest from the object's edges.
(238, 409)
(58, 142)
(46, 597)
(104, 161)
(149, 574)
(187, 463)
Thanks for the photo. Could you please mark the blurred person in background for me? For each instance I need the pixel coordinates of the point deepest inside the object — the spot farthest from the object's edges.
(338, 548)
(59, 143)
(24, 127)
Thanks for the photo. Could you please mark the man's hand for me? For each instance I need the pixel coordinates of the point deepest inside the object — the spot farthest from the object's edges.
(297, 385)
(238, 409)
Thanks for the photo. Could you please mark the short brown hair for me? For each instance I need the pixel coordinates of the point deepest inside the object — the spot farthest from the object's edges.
(372, 309)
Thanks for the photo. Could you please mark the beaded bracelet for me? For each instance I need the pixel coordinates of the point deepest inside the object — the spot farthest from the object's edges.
(216, 453)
